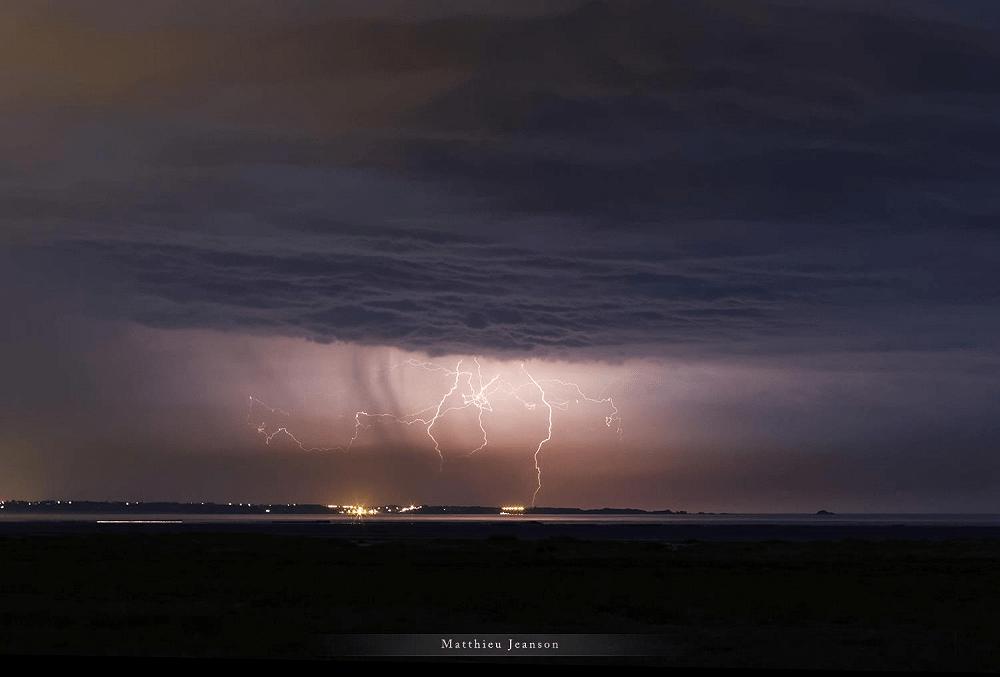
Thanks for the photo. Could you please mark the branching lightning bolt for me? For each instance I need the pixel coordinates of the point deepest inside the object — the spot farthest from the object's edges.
(465, 383)
(538, 468)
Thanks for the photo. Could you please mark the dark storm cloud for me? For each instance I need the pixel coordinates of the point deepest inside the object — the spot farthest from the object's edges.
(602, 178)
(445, 296)
(692, 111)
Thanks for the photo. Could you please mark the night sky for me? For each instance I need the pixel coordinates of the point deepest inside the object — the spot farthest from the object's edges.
(764, 232)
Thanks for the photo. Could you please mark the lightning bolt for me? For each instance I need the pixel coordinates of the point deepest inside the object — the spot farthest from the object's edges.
(538, 468)
(438, 414)
(268, 436)
(481, 402)
(609, 420)
(474, 391)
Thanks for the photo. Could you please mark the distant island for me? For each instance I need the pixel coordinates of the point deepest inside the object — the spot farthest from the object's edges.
(208, 508)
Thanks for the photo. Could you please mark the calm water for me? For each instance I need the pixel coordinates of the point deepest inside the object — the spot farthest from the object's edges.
(741, 519)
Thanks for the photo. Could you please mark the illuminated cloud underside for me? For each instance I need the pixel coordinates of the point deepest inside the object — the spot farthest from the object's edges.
(468, 391)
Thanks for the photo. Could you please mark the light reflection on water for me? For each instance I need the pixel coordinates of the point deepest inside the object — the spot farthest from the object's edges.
(732, 519)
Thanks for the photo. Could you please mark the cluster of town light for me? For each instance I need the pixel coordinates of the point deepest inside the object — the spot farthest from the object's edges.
(360, 510)
(357, 510)
(511, 509)
(46, 503)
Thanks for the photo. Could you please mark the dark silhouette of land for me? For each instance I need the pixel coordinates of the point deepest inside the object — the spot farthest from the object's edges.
(853, 604)
(815, 596)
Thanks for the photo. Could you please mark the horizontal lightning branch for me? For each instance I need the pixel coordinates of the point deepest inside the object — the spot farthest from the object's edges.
(472, 390)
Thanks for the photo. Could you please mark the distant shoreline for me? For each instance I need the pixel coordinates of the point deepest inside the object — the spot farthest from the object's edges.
(209, 508)
(60, 507)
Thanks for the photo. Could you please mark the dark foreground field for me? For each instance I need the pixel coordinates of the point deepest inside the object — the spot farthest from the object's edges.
(853, 604)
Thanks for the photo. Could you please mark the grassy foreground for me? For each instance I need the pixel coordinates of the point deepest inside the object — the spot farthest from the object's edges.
(897, 605)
